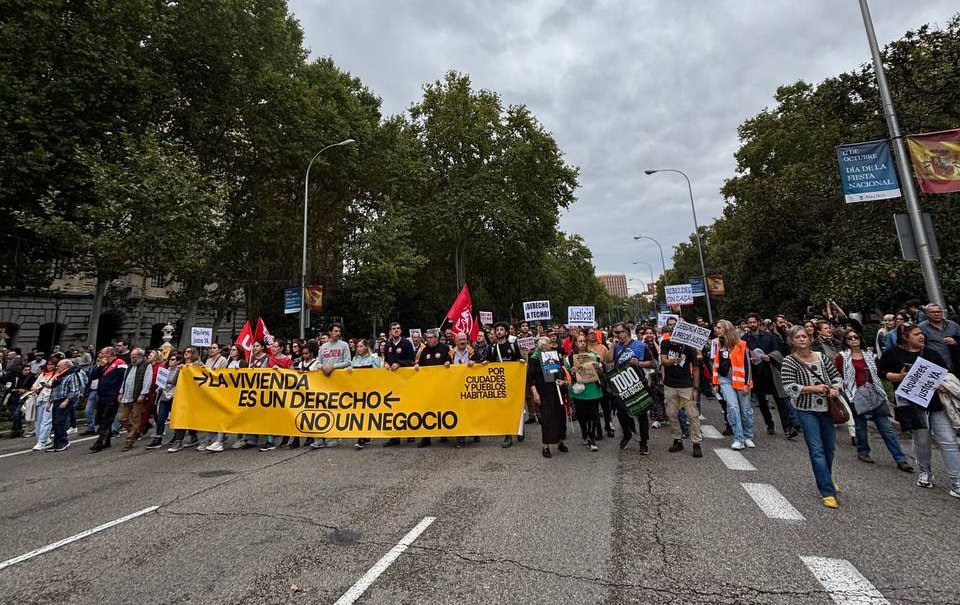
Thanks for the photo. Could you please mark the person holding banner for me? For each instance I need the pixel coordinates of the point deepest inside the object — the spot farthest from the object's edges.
(627, 350)
(398, 352)
(681, 383)
(809, 377)
(432, 353)
(502, 349)
(363, 359)
(925, 423)
(584, 366)
(595, 339)
(190, 358)
(545, 377)
(732, 376)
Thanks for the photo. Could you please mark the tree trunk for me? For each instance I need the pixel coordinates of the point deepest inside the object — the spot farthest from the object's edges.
(217, 321)
(93, 326)
(194, 290)
(143, 296)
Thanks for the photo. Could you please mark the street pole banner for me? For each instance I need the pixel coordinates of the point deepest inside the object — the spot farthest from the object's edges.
(486, 318)
(690, 334)
(699, 288)
(536, 310)
(921, 382)
(715, 285)
(679, 294)
(201, 337)
(458, 401)
(867, 172)
(292, 300)
(936, 160)
(582, 316)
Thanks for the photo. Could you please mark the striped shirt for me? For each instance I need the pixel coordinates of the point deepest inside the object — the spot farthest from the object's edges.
(797, 374)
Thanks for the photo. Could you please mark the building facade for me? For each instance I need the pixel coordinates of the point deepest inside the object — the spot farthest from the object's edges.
(615, 284)
(134, 309)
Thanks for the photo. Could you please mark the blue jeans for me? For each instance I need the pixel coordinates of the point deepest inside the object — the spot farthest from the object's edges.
(163, 412)
(886, 431)
(91, 411)
(942, 431)
(820, 436)
(739, 410)
(43, 422)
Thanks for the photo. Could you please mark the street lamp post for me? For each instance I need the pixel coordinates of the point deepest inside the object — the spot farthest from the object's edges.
(924, 251)
(696, 232)
(649, 266)
(303, 267)
(663, 264)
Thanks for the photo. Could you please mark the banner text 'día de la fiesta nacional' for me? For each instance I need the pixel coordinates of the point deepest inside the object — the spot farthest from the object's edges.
(485, 399)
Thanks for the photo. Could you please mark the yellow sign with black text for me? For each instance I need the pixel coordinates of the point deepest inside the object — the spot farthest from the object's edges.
(483, 399)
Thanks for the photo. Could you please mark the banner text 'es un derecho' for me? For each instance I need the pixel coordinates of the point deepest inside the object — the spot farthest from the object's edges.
(484, 399)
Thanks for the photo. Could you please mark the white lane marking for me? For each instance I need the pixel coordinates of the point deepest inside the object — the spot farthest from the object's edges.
(710, 432)
(843, 582)
(385, 561)
(80, 536)
(734, 460)
(772, 502)
(30, 450)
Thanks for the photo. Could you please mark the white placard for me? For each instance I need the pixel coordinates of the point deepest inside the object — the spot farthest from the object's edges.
(529, 343)
(536, 310)
(582, 316)
(201, 337)
(486, 318)
(162, 375)
(663, 317)
(690, 334)
(680, 294)
(921, 382)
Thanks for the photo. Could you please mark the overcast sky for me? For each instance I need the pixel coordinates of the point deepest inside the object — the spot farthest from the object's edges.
(623, 86)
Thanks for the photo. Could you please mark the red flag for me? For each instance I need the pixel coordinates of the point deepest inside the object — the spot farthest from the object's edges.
(936, 160)
(461, 315)
(263, 333)
(245, 340)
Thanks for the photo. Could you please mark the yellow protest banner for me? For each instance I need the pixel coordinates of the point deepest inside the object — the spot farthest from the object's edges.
(485, 399)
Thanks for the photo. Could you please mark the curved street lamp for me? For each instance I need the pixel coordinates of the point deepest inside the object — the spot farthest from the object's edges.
(663, 264)
(306, 205)
(696, 232)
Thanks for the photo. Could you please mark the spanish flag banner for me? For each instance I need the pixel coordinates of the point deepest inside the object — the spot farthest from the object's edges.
(936, 160)
(435, 401)
(314, 296)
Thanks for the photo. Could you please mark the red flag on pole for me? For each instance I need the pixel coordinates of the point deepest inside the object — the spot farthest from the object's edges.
(245, 340)
(936, 160)
(262, 332)
(461, 315)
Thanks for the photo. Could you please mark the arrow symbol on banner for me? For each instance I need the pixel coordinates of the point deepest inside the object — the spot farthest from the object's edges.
(202, 379)
(389, 399)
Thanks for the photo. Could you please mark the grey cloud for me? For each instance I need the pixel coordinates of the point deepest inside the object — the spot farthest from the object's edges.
(622, 85)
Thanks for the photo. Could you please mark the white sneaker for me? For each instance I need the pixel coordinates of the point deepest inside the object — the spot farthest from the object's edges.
(39, 447)
(655, 424)
(955, 490)
(749, 443)
(238, 444)
(72, 430)
(736, 446)
(332, 442)
(216, 446)
(702, 417)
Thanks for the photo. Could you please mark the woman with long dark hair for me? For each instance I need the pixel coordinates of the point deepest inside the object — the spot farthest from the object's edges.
(926, 424)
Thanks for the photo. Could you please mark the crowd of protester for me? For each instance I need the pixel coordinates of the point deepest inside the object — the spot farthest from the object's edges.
(760, 364)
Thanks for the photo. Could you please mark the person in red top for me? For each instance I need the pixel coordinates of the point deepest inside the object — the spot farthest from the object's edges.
(859, 371)
(277, 358)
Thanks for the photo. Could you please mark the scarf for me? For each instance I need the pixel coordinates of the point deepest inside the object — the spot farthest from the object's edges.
(849, 373)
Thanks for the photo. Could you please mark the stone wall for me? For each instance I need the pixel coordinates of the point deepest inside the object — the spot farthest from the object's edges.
(33, 315)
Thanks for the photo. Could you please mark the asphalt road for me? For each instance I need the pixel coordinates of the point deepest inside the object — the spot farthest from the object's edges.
(508, 526)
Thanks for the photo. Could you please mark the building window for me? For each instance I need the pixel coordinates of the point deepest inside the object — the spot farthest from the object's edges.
(158, 281)
(56, 269)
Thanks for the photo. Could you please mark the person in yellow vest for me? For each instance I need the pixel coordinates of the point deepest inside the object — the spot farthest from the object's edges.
(732, 377)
